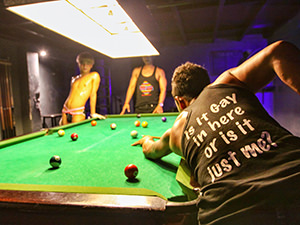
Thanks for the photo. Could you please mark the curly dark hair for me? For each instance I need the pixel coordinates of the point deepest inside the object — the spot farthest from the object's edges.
(188, 80)
(85, 57)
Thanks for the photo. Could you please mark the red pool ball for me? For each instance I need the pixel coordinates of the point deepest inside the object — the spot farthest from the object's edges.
(94, 123)
(131, 171)
(74, 136)
(137, 123)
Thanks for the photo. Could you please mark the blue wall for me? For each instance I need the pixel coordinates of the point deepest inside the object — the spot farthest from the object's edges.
(286, 101)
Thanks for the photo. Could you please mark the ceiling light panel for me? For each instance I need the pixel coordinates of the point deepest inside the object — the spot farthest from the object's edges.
(101, 25)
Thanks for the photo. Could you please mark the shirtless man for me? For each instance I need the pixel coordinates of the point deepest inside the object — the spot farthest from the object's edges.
(246, 164)
(149, 84)
(83, 87)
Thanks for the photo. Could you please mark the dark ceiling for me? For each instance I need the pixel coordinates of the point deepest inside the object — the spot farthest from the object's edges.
(182, 22)
(176, 22)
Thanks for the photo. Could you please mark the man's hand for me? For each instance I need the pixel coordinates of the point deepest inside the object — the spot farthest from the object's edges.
(125, 107)
(98, 116)
(143, 139)
(158, 109)
(154, 149)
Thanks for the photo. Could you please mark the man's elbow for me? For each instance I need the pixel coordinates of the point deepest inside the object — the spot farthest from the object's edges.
(151, 154)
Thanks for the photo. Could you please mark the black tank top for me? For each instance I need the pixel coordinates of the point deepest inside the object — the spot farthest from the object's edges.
(241, 156)
(147, 89)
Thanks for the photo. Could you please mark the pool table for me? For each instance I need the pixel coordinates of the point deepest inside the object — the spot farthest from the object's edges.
(90, 186)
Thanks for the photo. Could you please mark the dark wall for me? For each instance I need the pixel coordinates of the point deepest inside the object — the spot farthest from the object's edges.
(55, 77)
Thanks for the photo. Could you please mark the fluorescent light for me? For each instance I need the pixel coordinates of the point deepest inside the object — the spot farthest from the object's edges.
(101, 25)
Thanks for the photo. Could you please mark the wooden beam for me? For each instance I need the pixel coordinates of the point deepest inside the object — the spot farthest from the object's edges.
(179, 23)
(218, 17)
(251, 20)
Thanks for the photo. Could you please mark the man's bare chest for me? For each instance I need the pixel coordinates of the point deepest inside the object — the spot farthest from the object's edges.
(82, 82)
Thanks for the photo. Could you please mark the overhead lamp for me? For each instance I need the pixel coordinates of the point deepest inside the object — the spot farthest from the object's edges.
(101, 25)
(43, 53)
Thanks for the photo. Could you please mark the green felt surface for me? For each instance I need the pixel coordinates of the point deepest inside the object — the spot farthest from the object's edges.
(96, 160)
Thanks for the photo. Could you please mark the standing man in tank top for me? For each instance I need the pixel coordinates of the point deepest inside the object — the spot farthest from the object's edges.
(149, 84)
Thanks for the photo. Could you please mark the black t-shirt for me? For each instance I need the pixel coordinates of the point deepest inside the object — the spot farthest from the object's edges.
(147, 90)
(242, 158)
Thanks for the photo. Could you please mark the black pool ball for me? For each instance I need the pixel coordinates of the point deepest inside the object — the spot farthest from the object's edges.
(74, 136)
(138, 115)
(164, 119)
(55, 161)
(131, 171)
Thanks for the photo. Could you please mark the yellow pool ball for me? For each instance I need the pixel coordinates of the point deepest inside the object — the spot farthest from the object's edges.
(144, 124)
(61, 132)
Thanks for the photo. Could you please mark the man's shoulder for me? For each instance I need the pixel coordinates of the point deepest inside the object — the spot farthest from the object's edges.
(136, 71)
(138, 68)
(94, 74)
(159, 68)
(160, 71)
(180, 122)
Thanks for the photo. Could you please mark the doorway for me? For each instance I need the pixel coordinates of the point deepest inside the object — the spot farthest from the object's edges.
(6, 102)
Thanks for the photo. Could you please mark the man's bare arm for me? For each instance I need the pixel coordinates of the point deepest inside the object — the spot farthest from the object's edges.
(93, 97)
(130, 91)
(169, 142)
(280, 58)
(155, 149)
(163, 88)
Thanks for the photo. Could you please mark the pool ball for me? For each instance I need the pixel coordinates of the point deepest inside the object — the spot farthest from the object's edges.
(61, 132)
(138, 115)
(55, 161)
(74, 136)
(113, 126)
(164, 119)
(134, 134)
(94, 123)
(131, 171)
(144, 124)
(137, 123)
